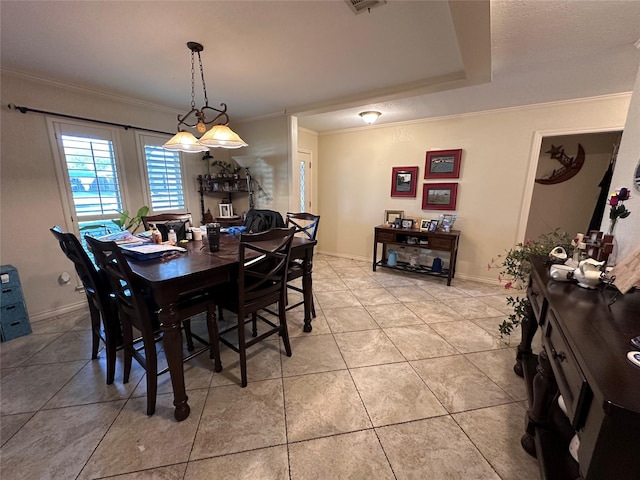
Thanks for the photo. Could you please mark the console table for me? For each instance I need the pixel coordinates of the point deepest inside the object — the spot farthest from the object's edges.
(441, 241)
(585, 339)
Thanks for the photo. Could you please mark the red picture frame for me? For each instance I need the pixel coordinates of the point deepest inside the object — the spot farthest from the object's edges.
(443, 164)
(439, 196)
(404, 181)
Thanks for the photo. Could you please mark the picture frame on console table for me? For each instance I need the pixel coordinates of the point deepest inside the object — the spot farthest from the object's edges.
(443, 164)
(439, 196)
(391, 215)
(404, 181)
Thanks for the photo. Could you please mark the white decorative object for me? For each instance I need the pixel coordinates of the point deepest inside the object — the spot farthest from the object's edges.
(226, 210)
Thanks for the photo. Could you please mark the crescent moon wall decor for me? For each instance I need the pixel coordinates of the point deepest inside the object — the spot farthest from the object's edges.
(570, 165)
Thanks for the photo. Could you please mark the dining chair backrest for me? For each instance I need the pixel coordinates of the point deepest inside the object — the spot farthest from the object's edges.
(99, 297)
(132, 302)
(180, 222)
(263, 261)
(305, 224)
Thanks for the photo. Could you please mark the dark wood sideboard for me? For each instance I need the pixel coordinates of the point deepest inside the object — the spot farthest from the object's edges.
(440, 241)
(585, 338)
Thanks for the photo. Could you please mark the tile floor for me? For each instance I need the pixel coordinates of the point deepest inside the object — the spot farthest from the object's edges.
(401, 378)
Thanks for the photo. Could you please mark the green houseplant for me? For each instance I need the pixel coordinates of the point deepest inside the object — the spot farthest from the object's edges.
(123, 222)
(514, 267)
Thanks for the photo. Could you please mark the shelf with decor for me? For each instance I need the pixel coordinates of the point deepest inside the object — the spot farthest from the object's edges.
(225, 185)
(420, 239)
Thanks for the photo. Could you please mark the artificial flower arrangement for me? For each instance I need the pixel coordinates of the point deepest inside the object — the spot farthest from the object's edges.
(618, 210)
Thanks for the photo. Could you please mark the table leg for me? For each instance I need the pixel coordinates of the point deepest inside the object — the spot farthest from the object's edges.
(307, 289)
(172, 342)
(375, 253)
(528, 327)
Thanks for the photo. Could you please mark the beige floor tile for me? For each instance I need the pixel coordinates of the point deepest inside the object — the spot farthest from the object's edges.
(336, 299)
(394, 393)
(136, 441)
(58, 324)
(491, 326)
(10, 424)
(471, 307)
(14, 353)
(435, 448)
(374, 296)
(393, 315)
(329, 284)
(347, 273)
(387, 278)
(496, 432)
(458, 384)
(419, 341)
(479, 289)
(68, 347)
(356, 455)
(89, 385)
(499, 302)
(323, 404)
(32, 387)
(338, 262)
(171, 472)
(363, 282)
(411, 294)
(58, 442)
(367, 347)
(433, 311)
(263, 363)
(262, 464)
(312, 354)
(466, 336)
(441, 291)
(238, 419)
(498, 366)
(295, 323)
(349, 319)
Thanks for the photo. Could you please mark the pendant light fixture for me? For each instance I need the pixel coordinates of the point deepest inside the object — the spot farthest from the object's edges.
(220, 135)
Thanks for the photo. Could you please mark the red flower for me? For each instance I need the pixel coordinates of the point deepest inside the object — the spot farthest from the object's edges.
(613, 201)
(488, 266)
(508, 285)
(500, 278)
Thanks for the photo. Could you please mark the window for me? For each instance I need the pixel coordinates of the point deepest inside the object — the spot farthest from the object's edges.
(89, 176)
(164, 174)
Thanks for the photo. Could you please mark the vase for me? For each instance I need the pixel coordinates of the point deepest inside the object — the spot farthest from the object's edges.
(612, 225)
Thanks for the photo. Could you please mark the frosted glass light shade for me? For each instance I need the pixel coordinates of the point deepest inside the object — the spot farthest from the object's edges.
(370, 117)
(185, 142)
(222, 136)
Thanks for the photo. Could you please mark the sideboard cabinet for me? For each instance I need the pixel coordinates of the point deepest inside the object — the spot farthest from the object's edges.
(413, 237)
(586, 335)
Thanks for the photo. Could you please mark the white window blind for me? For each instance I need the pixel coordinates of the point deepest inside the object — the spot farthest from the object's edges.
(165, 178)
(93, 176)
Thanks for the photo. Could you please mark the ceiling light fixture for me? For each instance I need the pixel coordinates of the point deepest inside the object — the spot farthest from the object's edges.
(220, 135)
(370, 116)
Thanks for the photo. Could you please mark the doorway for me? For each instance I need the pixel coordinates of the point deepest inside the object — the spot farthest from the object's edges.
(571, 204)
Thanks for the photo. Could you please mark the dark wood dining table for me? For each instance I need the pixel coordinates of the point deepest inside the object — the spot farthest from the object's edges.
(171, 278)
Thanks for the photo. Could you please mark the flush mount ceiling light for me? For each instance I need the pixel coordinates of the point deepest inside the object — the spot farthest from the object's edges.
(370, 116)
(220, 135)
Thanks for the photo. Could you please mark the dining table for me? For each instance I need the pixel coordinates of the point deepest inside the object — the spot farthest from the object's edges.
(176, 275)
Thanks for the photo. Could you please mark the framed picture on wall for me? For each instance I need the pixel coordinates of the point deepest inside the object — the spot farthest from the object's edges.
(443, 164)
(439, 196)
(404, 181)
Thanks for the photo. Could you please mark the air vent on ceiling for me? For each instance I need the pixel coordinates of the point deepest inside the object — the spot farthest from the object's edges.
(358, 6)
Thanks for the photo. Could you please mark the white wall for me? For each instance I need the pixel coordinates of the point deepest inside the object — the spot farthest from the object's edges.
(355, 174)
(31, 202)
(628, 229)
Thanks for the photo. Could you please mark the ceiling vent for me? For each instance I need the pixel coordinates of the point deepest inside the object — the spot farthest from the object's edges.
(358, 6)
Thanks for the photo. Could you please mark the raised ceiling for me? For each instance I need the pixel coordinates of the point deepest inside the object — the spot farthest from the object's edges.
(322, 62)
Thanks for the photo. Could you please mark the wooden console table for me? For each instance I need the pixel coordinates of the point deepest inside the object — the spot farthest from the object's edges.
(441, 241)
(585, 339)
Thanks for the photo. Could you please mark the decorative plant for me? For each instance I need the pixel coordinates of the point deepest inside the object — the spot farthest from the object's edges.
(226, 167)
(124, 222)
(618, 210)
(514, 267)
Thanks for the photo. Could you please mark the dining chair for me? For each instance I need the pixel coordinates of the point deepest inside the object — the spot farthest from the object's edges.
(138, 309)
(102, 306)
(180, 222)
(306, 225)
(262, 278)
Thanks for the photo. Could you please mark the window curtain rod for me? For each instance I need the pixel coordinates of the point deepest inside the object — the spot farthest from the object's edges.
(73, 117)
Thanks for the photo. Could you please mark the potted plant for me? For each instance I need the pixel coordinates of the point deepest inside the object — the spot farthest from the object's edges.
(514, 267)
(226, 169)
